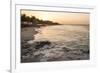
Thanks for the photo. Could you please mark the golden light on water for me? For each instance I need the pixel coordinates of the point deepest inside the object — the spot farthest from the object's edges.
(60, 17)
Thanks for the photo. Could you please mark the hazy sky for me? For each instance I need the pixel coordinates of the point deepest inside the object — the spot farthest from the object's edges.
(60, 17)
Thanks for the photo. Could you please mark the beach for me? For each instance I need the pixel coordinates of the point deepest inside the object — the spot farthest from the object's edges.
(54, 43)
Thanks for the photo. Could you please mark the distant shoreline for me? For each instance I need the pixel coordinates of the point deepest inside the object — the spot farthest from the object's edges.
(43, 25)
(76, 24)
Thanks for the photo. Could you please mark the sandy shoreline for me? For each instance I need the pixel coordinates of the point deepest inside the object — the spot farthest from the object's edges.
(27, 33)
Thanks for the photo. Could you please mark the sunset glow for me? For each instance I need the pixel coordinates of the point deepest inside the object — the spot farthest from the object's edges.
(59, 17)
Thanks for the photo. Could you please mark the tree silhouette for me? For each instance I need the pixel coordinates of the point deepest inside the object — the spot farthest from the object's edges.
(33, 20)
(26, 20)
(23, 17)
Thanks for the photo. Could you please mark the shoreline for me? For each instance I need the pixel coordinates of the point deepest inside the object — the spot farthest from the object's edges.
(45, 50)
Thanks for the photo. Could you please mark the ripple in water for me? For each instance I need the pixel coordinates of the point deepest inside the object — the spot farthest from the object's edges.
(62, 33)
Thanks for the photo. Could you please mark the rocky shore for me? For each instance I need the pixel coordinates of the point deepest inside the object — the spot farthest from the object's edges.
(53, 51)
(46, 50)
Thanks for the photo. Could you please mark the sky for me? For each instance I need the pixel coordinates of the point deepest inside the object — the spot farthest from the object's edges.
(60, 17)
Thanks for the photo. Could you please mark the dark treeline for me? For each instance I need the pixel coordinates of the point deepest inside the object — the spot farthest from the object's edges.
(27, 21)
